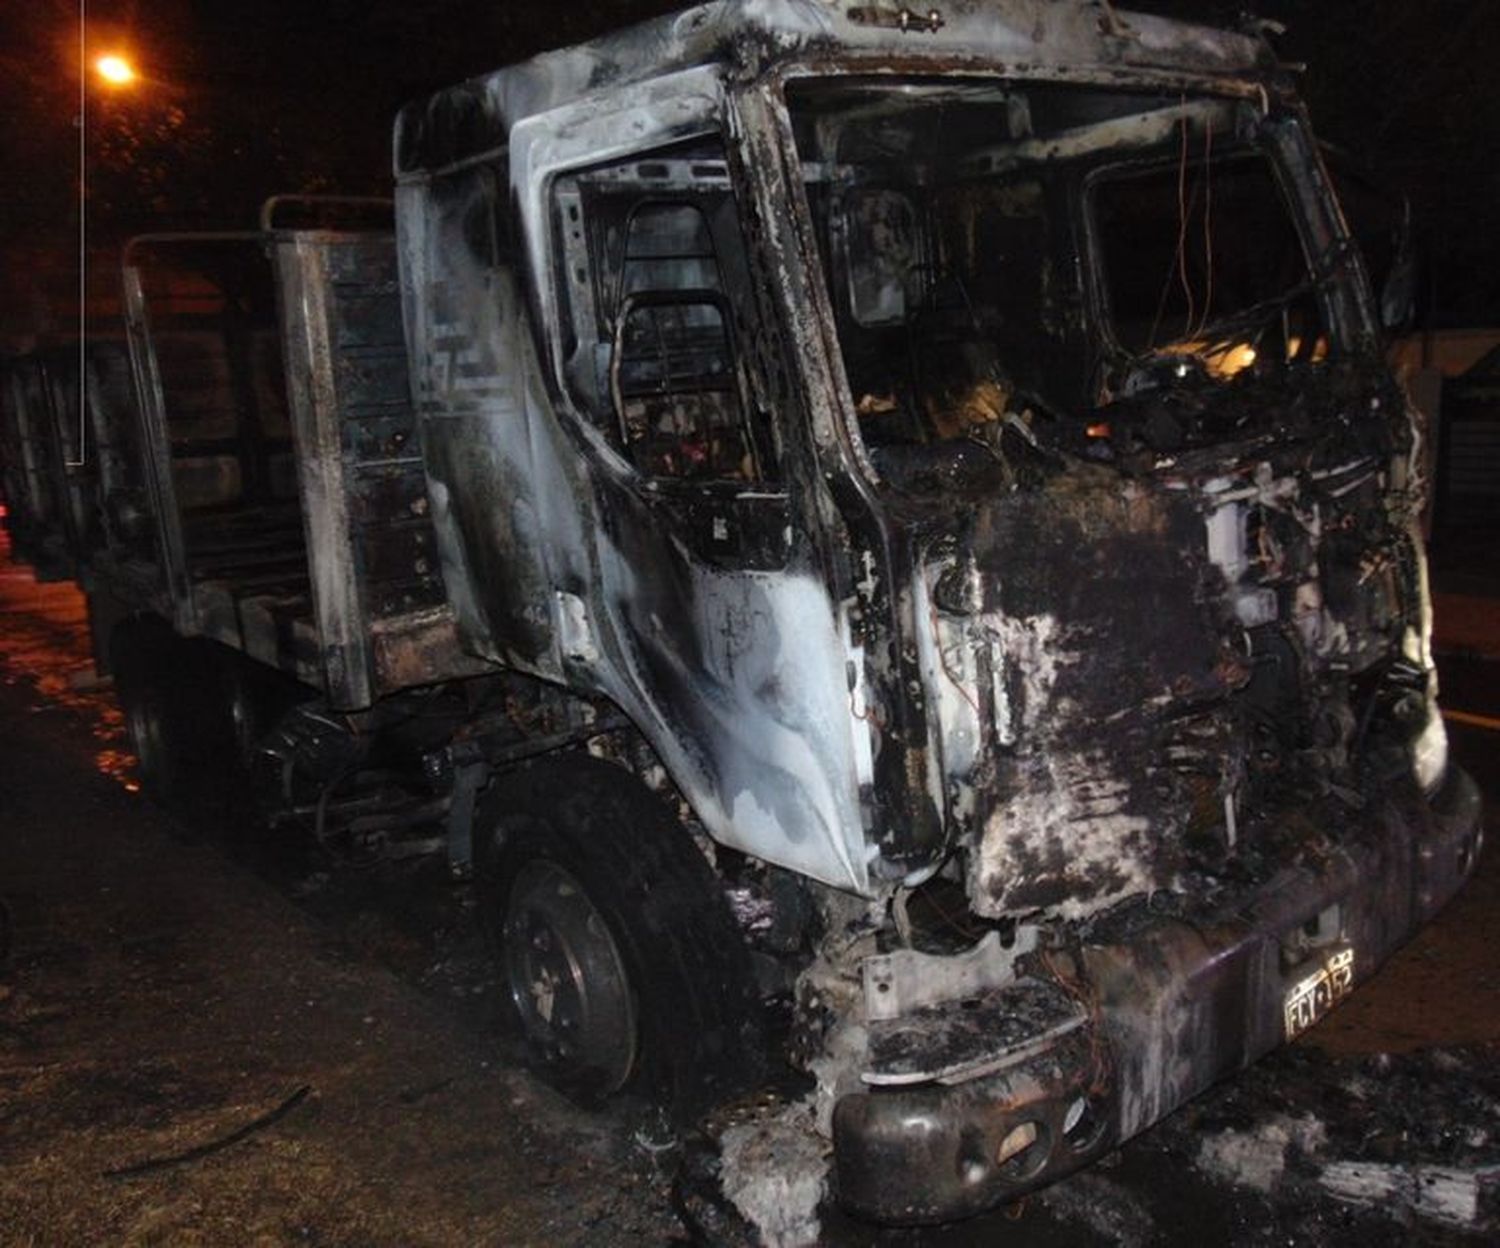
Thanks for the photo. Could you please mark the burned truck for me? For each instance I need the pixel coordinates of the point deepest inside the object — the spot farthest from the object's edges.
(876, 537)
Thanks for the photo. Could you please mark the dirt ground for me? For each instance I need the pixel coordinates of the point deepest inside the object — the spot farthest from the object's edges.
(207, 1043)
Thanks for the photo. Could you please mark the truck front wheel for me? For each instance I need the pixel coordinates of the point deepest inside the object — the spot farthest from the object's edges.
(567, 979)
(621, 959)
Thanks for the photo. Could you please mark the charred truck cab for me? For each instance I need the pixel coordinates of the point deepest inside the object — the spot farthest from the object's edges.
(886, 528)
(957, 442)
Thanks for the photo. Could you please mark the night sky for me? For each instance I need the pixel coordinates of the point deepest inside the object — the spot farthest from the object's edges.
(241, 99)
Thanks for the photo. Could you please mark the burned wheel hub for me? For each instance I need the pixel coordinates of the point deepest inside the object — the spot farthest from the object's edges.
(567, 979)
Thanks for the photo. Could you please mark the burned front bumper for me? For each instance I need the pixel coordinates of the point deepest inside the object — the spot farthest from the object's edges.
(1168, 1004)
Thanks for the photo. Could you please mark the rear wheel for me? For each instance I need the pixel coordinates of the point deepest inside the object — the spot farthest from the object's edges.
(193, 709)
(251, 700)
(143, 656)
(622, 962)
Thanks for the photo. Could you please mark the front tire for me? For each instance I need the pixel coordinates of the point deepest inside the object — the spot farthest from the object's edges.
(622, 961)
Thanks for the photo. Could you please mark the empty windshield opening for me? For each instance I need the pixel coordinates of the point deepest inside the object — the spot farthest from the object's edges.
(1201, 258)
(1012, 257)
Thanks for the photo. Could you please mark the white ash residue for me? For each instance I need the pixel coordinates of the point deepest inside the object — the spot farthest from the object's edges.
(775, 1171)
(1258, 1157)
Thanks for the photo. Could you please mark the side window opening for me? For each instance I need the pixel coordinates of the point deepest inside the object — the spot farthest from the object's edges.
(653, 263)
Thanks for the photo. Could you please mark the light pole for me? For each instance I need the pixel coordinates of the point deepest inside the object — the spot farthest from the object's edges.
(115, 71)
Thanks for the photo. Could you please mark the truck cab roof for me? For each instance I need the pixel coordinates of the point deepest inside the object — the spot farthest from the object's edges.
(1082, 40)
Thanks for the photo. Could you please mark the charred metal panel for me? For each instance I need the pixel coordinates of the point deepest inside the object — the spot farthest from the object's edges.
(310, 350)
(47, 445)
(1099, 617)
(369, 530)
(564, 561)
(77, 527)
(1159, 663)
(156, 449)
(114, 426)
(1073, 38)
(469, 351)
(416, 648)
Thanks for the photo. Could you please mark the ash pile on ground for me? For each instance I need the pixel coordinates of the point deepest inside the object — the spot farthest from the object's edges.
(1415, 1136)
(1309, 1147)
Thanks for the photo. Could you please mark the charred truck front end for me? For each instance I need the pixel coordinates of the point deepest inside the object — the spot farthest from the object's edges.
(898, 534)
(958, 444)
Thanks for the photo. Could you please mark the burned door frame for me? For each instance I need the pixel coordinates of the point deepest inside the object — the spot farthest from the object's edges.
(733, 664)
(870, 563)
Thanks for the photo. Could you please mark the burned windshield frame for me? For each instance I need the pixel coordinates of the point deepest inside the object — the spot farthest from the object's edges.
(1025, 316)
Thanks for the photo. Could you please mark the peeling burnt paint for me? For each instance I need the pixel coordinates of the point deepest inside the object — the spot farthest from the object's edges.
(1154, 691)
(1074, 822)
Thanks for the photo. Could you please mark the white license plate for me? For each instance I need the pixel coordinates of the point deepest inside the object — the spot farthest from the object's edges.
(1323, 983)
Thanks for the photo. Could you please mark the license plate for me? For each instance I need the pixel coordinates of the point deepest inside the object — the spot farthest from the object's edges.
(1323, 983)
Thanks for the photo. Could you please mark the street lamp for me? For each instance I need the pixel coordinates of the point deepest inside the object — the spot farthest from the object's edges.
(115, 70)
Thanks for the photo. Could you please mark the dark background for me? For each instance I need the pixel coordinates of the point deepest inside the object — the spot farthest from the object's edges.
(241, 99)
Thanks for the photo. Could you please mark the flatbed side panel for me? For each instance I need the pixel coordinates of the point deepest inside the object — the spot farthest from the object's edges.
(376, 584)
(114, 462)
(64, 456)
(72, 470)
(215, 442)
(338, 600)
(17, 474)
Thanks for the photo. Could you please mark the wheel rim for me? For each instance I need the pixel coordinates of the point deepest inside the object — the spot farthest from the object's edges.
(566, 977)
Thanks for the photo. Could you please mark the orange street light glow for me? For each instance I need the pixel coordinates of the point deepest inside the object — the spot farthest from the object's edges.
(115, 70)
